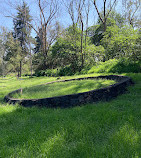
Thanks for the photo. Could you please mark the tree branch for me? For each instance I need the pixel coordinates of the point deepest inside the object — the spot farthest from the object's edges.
(98, 11)
(110, 10)
(39, 3)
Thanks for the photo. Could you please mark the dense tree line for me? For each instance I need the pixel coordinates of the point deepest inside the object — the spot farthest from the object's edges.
(114, 36)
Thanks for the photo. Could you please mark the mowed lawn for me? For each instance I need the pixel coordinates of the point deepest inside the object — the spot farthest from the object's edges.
(106, 129)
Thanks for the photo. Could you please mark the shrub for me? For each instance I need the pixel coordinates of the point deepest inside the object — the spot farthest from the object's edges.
(48, 72)
(116, 66)
(67, 71)
(64, 71)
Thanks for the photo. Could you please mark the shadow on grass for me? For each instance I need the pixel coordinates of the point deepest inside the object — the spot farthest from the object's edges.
(89, 131)
(62, 88)
(107, 129)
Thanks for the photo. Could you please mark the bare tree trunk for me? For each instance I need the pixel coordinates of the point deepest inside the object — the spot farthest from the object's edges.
(20, 73)
(45, 46)
(87, 18)
(82, 58)
(30, 59)
(85, 44)
(22, 57)
(104, 16)
(2, 68)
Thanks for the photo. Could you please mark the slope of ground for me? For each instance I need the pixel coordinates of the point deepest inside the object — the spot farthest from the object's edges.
(107, 129)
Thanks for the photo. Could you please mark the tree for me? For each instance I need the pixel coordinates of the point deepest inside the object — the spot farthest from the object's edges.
(80, 18)
(64, 50)
(117, 17)
(96, 31)
(87, 10)
(13, 54)
(76, 9)
(103, 18)
(22, 29)
(131, 13)
(3, 49)
(121, 42)
(94, 54)
(47, 30)
(75, 13)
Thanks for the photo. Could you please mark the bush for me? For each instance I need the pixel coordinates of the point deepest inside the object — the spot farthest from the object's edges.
(85, 70)
(111, 66)
(48, 72)
(64, 71)
(116, 66)
(121, 43)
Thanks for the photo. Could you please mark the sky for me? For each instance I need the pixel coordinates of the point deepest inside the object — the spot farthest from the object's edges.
(63, 17)
(7, 8)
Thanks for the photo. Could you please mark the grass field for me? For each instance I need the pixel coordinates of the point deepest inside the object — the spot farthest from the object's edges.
(62, 88)
(106, 129)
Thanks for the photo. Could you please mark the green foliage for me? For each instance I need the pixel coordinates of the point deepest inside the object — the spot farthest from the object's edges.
(48, 72)
(66, 50)
(73, 33)
(137, 48)
(85, 70)
(22, 30)
(67, 71)
(37, 44)
(94, 54)
(122, 65)
(62, 71)
(21, 22)
(14, 54)
(116, 66)
(96, 32)
(64, 56)
(121, 42)
(115, 18)
(3, 39)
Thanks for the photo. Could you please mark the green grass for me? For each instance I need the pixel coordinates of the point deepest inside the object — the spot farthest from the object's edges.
(62, 88)
(116, 66)
(103, 130)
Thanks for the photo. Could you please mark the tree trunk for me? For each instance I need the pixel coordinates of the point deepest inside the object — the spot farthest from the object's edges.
(20, 73)
(2, 67)
(86, 37)
(45, 60)
(30, 59)
(104, 26)
(85, 45)
(104, 16)
(82, 58)
(44, 46)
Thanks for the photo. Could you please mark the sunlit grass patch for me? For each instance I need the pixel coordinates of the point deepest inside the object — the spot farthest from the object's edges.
(62, 88)
(105, 129)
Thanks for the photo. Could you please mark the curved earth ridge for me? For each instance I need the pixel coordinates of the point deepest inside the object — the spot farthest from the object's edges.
(102, 94)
